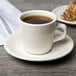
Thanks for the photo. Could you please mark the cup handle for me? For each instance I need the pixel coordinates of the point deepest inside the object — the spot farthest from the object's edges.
(63, 35)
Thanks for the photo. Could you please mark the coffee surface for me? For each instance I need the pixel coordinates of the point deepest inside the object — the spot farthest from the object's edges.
(37, 19)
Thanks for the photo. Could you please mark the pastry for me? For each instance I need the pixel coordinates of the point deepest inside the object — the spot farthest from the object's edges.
(70, 13)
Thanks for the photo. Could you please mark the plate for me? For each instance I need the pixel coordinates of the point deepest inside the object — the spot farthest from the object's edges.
(59, 11)
(14, 46)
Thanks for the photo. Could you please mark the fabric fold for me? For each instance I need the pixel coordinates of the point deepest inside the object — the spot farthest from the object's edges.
(8, 20)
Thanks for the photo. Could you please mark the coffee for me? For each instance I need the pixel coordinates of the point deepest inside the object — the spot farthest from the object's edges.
(37, 19)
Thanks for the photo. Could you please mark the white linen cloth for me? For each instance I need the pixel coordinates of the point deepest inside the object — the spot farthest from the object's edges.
(8, 20)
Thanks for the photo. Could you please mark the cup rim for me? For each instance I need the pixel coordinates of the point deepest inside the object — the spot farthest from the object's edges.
(30, 24)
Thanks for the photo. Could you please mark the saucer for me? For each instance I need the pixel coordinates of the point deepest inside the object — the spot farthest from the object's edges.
(59, 11)
(14, 47)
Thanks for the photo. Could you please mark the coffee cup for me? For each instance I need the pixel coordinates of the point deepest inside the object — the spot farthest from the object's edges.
(39, 37)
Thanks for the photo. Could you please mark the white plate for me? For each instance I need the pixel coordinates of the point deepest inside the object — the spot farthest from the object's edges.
(15, 47)
(59, 11)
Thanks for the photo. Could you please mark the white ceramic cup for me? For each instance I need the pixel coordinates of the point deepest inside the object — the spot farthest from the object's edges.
(39, 38)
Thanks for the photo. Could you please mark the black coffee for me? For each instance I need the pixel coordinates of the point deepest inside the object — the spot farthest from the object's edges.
(37, 19)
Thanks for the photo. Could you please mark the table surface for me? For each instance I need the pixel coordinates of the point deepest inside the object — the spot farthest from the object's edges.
(10, 66)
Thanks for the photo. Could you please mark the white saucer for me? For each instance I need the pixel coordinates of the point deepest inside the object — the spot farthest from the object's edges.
(58, 11)
(14, 47)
